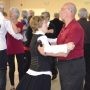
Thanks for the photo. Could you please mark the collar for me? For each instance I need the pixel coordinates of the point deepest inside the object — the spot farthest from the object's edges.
(69, 24)
(40, 32)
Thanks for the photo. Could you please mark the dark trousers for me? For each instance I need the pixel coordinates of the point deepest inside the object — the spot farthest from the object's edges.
(87, 62)
(54, 68)
(21, 66)
(27, 57)
(72, 74)
(3, 62)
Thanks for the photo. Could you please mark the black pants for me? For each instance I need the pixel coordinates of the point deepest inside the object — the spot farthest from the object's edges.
(21, 66)
(3, 62)
(27, 57)
(72, 74)
(87, 62)
(54, 68)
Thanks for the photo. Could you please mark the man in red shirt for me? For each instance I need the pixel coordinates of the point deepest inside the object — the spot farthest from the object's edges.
(72, 67)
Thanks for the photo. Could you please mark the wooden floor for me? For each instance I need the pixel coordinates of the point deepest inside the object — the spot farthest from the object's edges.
(54, 86)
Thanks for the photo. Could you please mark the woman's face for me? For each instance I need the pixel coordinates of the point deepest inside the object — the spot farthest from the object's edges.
(45, 26)
(12, 15)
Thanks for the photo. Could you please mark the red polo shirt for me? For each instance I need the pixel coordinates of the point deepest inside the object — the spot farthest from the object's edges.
(72, 33)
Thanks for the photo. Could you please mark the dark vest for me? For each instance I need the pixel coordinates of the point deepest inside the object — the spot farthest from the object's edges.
(39, 62)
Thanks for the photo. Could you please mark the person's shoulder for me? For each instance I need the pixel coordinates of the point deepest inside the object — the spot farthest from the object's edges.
(42, 37)
(76, 24)
(78, 27)
(6, 20)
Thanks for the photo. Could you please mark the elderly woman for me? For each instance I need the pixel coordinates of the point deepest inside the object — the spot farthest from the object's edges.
(15, 48)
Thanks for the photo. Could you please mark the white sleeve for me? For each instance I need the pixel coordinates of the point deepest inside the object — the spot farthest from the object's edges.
(52, 48)
(56, 49)
(44, 40)
(52, 41)
(8, 27)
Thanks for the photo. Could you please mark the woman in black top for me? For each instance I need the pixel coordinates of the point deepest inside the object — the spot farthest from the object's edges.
(38, 77)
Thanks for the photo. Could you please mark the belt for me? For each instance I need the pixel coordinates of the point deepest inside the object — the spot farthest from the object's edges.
(62, 60)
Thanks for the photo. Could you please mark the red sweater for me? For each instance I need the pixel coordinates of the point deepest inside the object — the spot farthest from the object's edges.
(14, 46)
(72, 33)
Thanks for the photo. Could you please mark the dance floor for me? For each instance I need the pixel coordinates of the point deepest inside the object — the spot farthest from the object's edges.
(54, 86)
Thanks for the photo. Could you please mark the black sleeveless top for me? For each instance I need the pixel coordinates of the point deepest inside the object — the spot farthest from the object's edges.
(38, 61)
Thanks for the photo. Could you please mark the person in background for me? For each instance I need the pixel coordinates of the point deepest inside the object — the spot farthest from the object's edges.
(51, 34)
(27, 34)
(46, 15)
(83, 15)
(31, 13)
(5, 26)
(89, 17)
(71, 68)
(58, 24)
(15, 48)
(38, 77)
(24, 21)
(24, 15)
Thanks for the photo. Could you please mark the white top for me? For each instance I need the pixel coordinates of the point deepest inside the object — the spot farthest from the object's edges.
(51, 48)
(48, 48)
(6, 26)
(36, 73)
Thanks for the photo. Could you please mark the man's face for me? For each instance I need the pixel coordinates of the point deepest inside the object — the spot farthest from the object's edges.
(64, 12)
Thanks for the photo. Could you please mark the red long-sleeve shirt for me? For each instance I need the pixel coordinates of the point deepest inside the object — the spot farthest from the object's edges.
(72, 33)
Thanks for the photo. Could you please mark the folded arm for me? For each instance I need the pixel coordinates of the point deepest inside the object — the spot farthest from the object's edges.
(59, 50)
(54, 50)
(9, 27)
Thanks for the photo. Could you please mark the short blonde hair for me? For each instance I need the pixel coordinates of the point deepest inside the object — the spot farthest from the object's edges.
(36, 22)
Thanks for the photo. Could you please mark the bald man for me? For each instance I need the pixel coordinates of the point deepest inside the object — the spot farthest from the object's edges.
(72, 67)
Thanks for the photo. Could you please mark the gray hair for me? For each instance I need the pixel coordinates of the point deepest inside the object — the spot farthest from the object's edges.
(83, 13)
(71, 7)
(15, 11)
(24, 14)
